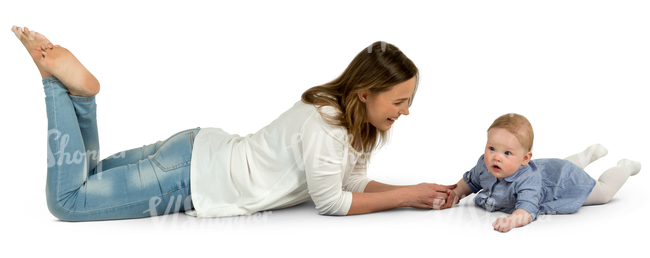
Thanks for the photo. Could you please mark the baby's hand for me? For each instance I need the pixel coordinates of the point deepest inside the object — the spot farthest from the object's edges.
(503, 224)
(452, 199)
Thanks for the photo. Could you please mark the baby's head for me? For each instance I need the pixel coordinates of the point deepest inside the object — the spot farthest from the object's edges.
(509, 145)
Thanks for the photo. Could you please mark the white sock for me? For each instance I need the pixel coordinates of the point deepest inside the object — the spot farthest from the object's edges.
(635, 167)
(611, 181)
(591, 154)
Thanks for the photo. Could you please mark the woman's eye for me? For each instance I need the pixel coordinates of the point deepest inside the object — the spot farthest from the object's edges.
(399, 103)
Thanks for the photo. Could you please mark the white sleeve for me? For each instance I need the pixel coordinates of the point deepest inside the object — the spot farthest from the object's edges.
(358, 180)
(323, 149)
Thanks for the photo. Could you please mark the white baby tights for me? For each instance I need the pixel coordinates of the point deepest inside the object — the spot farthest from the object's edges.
(611, 180)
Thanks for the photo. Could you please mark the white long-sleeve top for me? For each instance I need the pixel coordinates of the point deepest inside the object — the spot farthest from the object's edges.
(297, 157)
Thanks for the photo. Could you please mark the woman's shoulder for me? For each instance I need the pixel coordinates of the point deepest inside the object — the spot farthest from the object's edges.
(314, 118)
(309, 115)
(301, 106)
(299, 111)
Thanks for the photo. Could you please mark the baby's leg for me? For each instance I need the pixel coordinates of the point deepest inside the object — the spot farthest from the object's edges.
(591, 154)
(612, 180)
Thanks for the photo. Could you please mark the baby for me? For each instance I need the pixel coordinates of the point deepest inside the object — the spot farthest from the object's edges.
(506, 179)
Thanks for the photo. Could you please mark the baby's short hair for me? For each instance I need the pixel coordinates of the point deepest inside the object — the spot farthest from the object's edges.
(517, 125)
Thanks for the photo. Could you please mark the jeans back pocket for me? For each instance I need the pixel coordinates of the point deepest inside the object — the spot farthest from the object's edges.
(176, 151)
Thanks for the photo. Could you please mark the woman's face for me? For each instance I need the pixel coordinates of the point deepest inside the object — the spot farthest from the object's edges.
(384, 108)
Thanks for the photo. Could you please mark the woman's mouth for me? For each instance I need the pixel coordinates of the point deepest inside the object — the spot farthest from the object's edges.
(391, 120)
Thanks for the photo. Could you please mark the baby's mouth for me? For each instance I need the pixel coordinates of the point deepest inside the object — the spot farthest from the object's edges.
(496, 168)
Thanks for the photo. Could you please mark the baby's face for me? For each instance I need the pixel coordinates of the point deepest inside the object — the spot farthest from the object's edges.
(504, 154)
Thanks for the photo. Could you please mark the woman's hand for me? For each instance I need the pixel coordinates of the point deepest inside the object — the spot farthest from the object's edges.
(422, 196)
(455, 194)
(452, 199)
(428, 196)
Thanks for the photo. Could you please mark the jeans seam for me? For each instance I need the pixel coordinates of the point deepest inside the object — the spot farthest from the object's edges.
(56, 127)
(174, 190)
(191, 140)
(81, 99)
(165, 169)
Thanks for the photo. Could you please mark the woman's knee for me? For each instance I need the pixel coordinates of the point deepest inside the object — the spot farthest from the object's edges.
(57, 210)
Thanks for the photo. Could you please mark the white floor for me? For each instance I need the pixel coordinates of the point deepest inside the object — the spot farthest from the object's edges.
(617, 228)
(577, 69)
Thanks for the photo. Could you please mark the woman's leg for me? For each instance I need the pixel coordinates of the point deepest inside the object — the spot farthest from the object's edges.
(131, 184)
(589, 155)
(146, 181)
(611, 181)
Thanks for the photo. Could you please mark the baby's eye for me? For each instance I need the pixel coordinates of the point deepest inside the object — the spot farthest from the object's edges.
(508, 153)
(491, 148)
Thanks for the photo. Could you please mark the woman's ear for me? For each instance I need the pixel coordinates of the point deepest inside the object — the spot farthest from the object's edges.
(363, 96)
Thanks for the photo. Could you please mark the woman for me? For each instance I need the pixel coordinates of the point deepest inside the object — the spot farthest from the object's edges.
(317, 149)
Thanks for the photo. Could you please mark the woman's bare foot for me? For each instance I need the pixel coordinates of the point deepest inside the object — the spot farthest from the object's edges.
(57, 61)
(61, 63)
(31, 40)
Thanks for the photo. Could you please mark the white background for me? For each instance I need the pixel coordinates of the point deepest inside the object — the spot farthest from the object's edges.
(578, 70)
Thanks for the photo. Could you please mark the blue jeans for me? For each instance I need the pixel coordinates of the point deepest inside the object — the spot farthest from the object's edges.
(142, 182)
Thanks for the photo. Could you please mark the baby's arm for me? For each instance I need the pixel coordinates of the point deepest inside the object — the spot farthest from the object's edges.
(528, 193)
(453, 196)
(518, 218)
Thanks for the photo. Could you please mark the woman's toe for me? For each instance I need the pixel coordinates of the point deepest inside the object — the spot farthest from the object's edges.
(36, 54)
(16, 31)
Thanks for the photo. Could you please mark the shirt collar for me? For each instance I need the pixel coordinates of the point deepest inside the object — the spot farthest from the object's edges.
(519, 172)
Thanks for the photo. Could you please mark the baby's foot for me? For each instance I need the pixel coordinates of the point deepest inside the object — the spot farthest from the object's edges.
(635, 166)
(589, 155)
(64, 66)
(593, 153)
(596, 151)
(33, 40)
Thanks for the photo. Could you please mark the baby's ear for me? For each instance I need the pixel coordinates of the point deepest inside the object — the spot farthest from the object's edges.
(527, 158)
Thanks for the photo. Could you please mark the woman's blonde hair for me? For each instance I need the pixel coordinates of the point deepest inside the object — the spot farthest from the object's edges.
(519, 126)
(377, 68)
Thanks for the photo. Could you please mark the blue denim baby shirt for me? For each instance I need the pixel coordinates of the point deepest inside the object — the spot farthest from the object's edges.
(543, 186)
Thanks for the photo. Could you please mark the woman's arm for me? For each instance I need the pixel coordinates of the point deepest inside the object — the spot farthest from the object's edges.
(376, 187)
(422, 196)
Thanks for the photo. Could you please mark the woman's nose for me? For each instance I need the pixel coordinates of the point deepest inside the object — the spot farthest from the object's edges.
(404, 111)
